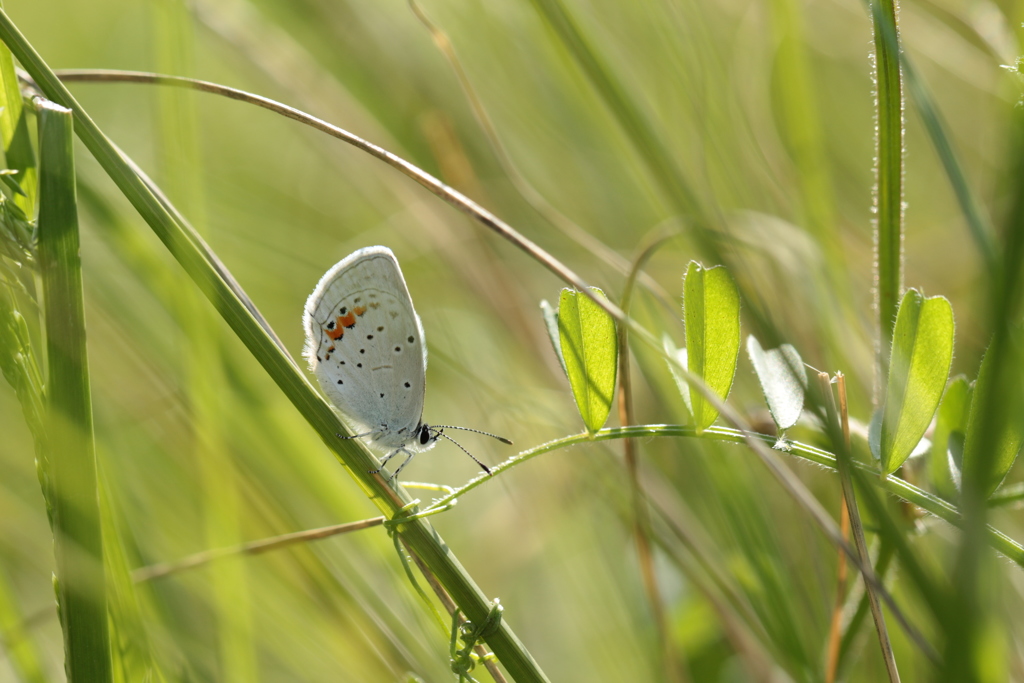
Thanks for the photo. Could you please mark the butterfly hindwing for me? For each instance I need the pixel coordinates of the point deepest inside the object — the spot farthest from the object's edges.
(365, 344)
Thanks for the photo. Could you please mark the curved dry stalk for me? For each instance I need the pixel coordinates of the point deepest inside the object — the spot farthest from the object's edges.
(156, 571)
(432, 184)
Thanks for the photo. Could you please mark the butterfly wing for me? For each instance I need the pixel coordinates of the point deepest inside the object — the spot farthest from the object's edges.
(365, 344)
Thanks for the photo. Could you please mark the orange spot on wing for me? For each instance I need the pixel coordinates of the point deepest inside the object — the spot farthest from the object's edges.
(347, 320)
(359, 310)
(337, 332)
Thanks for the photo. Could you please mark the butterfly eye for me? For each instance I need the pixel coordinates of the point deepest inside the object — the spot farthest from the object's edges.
(424, 435)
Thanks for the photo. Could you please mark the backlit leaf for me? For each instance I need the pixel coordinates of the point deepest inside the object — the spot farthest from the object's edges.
(590, 351)
(922, 350)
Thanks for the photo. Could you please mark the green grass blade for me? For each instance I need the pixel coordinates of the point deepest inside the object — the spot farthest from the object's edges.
(922, 350)
(888, 179)
(800, 125)
(229, 595)
(590, 348)
(653, 150)
(711, 309)
(217, 284)
(783, 380)
(1001, 433)
(77, 536)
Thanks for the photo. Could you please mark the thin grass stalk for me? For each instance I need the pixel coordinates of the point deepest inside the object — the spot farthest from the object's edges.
(216, 283)
(888, 188)
(849, 646)
(835, 631)
(836, 627)
(77, 536)
(673, 669)
(263, 545)
(843, 460)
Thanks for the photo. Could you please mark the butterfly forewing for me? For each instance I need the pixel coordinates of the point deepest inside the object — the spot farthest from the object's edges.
(365, 344)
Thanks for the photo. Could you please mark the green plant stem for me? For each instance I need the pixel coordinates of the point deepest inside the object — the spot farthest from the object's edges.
(931, 504)
(888, 181)
(978, 223)
(77, 535)
(219, 287)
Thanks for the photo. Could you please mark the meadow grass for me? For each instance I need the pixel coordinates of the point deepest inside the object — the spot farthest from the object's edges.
(599, 143)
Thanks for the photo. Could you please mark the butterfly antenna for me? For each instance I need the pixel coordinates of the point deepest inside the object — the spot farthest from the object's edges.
(438, 432)
(478, 431)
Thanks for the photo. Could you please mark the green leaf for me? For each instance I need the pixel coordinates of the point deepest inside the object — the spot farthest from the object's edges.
(711, 307)
(590, 350)
(680, 356)
(14, 133)
(551, 323)
(922, 350)
(783, 380)
(996, 439)
(952, 418)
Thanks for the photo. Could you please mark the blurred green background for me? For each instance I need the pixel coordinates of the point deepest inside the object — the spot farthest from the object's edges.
(766, 109)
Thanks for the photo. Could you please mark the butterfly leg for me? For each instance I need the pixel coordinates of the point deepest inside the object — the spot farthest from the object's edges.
(354, 436)
(401, 467)
(384, 461)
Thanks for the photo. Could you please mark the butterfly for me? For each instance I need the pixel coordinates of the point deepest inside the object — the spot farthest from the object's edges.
(365, 344)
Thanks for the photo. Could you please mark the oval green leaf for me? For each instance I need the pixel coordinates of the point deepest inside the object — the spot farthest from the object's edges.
(922, 350)
(992, 442)
(783, 380)
(590, 352)
(711, 311)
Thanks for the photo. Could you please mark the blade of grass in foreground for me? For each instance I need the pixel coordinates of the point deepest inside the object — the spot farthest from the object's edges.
(215, 282)
(77, 539)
